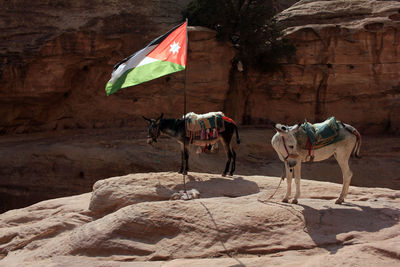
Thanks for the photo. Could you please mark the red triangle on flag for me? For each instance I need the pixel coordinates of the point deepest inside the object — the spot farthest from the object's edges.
(173, 47)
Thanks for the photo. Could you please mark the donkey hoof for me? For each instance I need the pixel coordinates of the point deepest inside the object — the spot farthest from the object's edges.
(223, 174)
(185, 172)
(339, 201)
(294, 201)
(230, 174)
(285, 200)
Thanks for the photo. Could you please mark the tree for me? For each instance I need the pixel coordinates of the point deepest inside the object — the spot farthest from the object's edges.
(249, 25)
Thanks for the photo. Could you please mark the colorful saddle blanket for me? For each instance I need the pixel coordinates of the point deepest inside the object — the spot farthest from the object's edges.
(314, 136)
(204, 126)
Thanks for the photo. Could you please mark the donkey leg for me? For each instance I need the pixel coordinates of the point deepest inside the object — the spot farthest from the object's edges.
(289, 184)
(347, 175)
(228, 155)
(297, 178)
(233, 167)
(228, 162)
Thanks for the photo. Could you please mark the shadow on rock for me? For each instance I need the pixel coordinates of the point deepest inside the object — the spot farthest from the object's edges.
(333, 228)
(220, 187)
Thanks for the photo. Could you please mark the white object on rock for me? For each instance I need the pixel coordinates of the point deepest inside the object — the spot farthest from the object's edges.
(181, 195)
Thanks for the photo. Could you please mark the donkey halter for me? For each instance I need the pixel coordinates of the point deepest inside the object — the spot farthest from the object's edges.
(289, 155)
(157, 132)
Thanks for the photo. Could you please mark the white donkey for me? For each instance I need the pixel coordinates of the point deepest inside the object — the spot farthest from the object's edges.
(285, 143)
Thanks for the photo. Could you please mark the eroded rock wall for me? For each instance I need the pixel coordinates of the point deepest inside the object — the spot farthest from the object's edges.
(347, 65)
(56, 58)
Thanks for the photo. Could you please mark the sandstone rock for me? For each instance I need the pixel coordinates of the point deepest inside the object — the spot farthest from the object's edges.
(346, 65)
(243, 229)
(55, 68)
(115, 193)
(42, 221)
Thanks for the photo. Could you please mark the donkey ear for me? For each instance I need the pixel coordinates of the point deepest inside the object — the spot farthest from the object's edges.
(295, 128)
(280, 128)
(146, 118)
(161, 116)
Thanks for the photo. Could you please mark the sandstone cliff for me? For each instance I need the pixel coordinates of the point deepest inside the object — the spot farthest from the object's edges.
(56, 58)
(346, 65)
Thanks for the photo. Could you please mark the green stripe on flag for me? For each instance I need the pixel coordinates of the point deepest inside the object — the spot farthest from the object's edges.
(143, 74)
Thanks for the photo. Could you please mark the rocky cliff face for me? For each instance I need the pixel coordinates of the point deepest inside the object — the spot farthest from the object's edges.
(346, 65)
(56, 58)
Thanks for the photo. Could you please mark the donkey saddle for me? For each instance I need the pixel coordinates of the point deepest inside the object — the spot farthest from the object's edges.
(314, 136)
(204, 126)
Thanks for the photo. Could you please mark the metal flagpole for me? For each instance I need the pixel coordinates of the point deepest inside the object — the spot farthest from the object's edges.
(184, 111)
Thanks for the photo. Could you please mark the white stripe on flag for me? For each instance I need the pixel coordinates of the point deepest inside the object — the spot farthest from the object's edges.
(132, 63)
(146, 60)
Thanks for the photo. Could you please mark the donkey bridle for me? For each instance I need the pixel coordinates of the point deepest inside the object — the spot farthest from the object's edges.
(289, 155)
(157, 133)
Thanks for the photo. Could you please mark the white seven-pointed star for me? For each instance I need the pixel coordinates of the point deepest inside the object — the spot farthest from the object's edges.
(174, 48)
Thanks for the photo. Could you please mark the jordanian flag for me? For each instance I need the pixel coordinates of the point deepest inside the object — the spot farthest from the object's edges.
(164, 55)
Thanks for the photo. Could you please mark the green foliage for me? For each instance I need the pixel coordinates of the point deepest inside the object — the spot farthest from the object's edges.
(249, 25)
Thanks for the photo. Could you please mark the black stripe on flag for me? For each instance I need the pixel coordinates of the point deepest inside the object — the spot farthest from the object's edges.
(156, 41)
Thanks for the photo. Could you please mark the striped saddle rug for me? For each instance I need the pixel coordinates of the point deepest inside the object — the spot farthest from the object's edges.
(204, 126)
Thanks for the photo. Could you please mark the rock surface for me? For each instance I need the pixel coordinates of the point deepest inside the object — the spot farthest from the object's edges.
(55, 59)
(347, 64)
(243, 228)
(54, 68)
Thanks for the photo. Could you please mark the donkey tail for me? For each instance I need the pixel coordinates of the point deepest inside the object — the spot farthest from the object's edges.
(237, 135)
(229, 120)
(357, 146)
